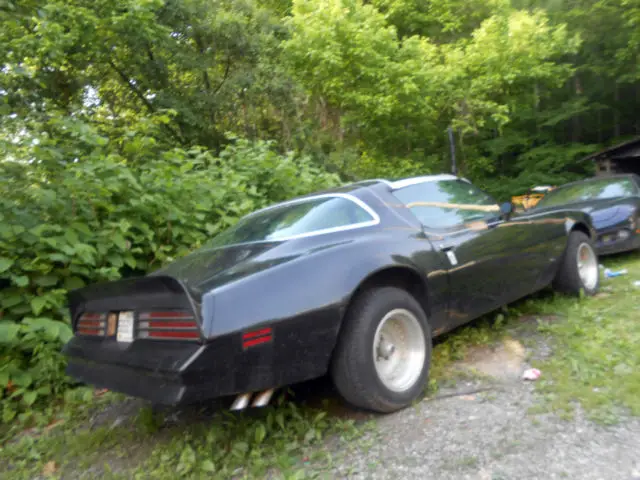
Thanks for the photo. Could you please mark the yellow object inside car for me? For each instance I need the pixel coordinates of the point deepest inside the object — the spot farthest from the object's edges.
(531, 198)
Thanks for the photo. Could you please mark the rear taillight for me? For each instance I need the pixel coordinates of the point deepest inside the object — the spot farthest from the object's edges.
(168, 325)
(91, 324)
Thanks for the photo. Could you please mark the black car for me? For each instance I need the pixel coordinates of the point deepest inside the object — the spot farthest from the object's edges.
(354, 282)
(613, 202)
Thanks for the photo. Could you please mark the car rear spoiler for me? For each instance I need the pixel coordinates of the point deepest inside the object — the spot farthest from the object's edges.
(154, 291)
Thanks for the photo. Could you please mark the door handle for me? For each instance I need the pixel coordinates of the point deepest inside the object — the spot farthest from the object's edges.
(448, 251)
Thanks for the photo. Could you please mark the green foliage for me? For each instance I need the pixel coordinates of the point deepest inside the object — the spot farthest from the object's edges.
(444, 20)
(107, 216)
(201, 62)
(394, 97)
(132, 130)
(31, 366)
(280, 440)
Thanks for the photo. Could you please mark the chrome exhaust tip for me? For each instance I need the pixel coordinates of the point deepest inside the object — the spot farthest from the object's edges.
(241, 402)
(263, 398)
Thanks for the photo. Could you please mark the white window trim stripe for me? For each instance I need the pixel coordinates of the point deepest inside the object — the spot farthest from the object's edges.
(374, 221)
(407, 182)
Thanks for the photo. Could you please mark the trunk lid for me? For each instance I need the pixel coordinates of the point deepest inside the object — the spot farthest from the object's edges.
(207, 269)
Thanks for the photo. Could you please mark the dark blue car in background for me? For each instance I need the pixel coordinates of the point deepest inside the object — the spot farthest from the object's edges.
(613, 202)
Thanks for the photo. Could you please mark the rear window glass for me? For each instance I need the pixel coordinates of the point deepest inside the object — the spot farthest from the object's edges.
(590, 190)
(314, 216)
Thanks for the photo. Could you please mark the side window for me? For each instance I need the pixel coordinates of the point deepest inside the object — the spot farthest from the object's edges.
(448, 204)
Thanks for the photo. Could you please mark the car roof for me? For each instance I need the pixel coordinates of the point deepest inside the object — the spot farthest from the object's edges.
(601, 177)
(355, 189)
(392, 184)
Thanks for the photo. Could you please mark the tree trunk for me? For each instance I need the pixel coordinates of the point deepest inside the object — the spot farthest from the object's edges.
(576, 125)
(536, 105)
(616, 111)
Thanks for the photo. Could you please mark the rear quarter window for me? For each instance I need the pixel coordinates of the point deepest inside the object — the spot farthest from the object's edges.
(313, 216)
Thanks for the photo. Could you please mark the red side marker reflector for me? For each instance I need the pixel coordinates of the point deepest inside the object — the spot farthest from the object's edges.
(256, 333)
(257, 341)
(251, 339)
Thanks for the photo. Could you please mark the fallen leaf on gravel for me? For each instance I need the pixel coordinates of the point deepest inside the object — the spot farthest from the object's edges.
(49, 468)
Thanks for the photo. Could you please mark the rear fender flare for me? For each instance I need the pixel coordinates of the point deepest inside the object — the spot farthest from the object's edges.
(396, 273)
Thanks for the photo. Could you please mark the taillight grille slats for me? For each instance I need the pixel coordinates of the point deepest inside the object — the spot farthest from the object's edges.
(161, 325)
(169, 325)
(165, 316)
(91, 324)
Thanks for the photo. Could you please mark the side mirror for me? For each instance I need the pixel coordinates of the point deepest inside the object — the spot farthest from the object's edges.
(506, 209)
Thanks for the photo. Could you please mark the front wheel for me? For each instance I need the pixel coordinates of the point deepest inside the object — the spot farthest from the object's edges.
(382, 359)
(579, 267)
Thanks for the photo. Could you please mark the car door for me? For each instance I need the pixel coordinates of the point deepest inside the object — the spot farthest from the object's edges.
(486, 254)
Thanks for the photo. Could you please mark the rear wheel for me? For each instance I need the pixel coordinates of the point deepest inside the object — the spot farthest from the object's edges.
(579, 268)
(382, 359)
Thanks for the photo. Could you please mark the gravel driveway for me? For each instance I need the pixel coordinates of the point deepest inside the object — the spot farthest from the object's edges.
(480, 427)
(489, 436)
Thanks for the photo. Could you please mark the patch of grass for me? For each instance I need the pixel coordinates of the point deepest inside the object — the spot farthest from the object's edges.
(456, 463)
(276, 440)
(596, 361)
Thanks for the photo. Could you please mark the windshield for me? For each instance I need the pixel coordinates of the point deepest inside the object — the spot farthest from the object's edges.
(600, 188)
(315, 215)
(448, 203)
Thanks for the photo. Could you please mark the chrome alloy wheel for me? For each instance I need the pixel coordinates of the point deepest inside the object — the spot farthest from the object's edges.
(587, 265)
(399, 350)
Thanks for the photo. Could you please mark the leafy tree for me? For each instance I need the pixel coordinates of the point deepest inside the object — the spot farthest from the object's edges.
(116, 116)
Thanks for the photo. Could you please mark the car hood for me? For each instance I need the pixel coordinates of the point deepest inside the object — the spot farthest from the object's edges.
(604, 212)
(593, 205)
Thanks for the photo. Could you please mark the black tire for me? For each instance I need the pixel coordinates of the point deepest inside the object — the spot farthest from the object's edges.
(567, 278)
(352, 369)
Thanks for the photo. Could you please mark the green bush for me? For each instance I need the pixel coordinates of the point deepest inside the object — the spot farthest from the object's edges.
(68, 224)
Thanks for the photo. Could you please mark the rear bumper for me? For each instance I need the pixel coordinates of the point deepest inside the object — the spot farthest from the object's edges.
(155, 371)
(161, 389)
(171, 372)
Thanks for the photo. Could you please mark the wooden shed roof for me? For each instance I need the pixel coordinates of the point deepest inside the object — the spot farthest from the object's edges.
(628, 149)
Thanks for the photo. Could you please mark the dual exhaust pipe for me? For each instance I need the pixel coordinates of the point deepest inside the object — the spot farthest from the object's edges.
(260, 400)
